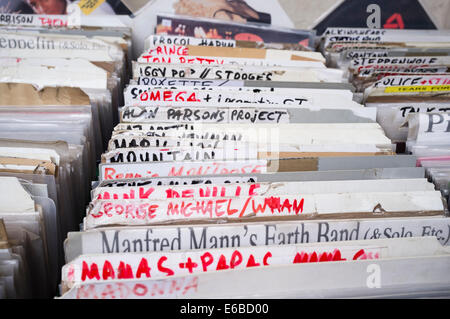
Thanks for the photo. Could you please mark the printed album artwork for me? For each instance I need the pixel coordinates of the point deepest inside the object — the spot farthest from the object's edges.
(57, 7)
(235, 10)
(212, 29)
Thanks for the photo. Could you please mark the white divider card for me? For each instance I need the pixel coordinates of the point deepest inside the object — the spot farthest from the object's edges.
(162, 39)
(249, 73)
(211, 60)
(292, 133)
(266, 148)
(156, 40)
(196, 131)
(349, 54)
(315, 91)
(331, 205)
(419, 80)
(429, 128)
(144, 95)
(178, 131)
(270, 151)
(124, 140)
(168, 82)
(172, 154)
(173, 287)
(215, 96)
(190, 237)
(136, 170)
(424, 61)
(98, 268)
(307, 280)
(249, 113)
(170, 181)
(260, 189)
(227, 115)
(341, 31)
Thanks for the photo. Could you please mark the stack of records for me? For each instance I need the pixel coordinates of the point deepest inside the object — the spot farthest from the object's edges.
(59, 91)
(247, 169)
(404, 74)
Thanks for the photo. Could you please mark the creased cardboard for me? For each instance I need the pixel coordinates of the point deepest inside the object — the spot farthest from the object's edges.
(18, 94)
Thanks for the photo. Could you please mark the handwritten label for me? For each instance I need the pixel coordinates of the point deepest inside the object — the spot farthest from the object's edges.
(182, 131)
(140, 127)
(143, 96)
(155, 40)
(154, 192)
(125, 141)
(202, 72)
(166, 82)
(150, 191)
(396, 69)
(190, 237)
(145, 212)
(180, 55)
(354, 54)
(138, 155)
(397, 81)
(172, 181)
(397, 61)
(31, 45)
(91, 269)
(205, 115)
(137, 170)
(148, 58)
(353, 31)
(434, 127)
(33, 20)
(168, 288)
